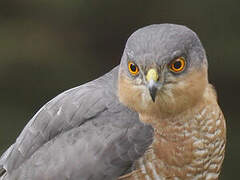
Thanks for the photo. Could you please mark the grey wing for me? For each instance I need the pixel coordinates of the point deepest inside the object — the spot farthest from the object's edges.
(67, 110)
(71, 109)
(101, 149)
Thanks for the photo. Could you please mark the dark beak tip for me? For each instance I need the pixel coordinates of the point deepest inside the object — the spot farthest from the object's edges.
(153, 99)
(153, 92)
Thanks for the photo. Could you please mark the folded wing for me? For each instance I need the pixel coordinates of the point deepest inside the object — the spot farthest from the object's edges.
(84, 132)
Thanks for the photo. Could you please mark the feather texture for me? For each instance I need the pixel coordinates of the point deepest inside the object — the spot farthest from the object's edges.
(83, 132)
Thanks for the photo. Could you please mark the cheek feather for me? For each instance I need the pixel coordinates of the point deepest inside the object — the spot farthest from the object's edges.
(138, 81)
(189, 88)
(167, 92)
(176, 96)
(134, 96)
(145, 97)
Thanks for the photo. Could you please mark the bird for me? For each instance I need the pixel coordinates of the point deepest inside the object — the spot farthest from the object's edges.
(155, 116)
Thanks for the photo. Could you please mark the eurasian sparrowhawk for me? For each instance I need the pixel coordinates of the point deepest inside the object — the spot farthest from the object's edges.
(155, 116)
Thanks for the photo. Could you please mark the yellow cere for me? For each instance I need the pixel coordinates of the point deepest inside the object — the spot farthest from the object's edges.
(152, 74)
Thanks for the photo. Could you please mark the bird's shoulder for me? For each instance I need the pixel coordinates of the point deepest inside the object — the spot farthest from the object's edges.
(95, 101)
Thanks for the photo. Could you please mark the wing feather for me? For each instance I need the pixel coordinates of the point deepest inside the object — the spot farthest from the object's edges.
(83, 128)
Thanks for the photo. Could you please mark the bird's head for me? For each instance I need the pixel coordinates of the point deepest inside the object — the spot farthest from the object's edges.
(163, 69)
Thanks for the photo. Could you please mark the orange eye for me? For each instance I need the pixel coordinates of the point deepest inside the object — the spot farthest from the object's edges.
(178, 65)
(133, 68)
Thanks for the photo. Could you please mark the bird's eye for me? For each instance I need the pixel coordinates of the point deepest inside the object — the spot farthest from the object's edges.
(178, 65)
(133, 68)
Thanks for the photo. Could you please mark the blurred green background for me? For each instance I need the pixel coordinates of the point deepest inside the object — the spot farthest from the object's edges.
(47, 47)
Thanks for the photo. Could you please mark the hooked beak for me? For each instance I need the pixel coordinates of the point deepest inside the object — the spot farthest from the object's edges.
(152, 78)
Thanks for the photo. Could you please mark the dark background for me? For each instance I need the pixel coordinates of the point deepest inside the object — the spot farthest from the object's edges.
(47, 47)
